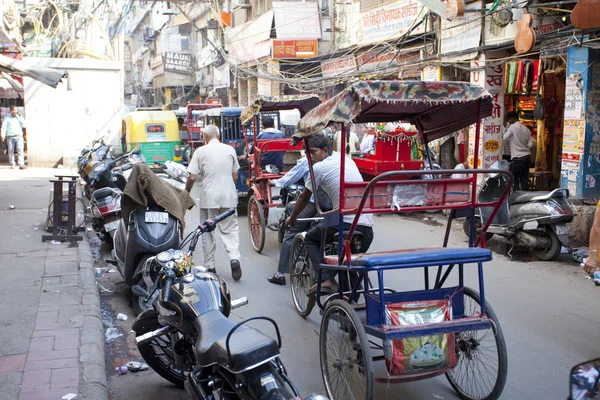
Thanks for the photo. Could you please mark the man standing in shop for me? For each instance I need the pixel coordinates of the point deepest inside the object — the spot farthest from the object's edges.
(518, 137)
(12, 132)
(216, 166)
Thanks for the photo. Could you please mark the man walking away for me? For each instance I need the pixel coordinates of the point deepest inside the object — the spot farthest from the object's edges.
(216, 166)
(519, 140)
(12, 132)
(269, 132)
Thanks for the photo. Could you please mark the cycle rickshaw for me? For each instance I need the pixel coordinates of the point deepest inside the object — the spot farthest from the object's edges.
(418, 334)
(260, 196)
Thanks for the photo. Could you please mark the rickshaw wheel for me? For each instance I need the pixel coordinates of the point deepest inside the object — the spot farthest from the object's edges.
(256, 224)
(346, 362)
(482, 359)
(301, 277)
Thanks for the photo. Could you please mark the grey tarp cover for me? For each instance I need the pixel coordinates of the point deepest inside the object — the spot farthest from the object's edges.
(47, 76)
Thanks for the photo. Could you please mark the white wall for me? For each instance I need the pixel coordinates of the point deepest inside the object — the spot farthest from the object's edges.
(61, 121)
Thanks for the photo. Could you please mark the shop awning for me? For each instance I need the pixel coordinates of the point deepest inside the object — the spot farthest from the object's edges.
(48, 76)
(439, 108)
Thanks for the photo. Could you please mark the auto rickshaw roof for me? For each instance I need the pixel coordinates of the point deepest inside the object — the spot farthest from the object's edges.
(227, 111)
(438, 108)
(303, 103)
(151, 116)
(192, 107)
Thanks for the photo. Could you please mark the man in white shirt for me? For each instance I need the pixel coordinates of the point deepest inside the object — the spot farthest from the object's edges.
(216, 166)
(518, 137)
(326, 170)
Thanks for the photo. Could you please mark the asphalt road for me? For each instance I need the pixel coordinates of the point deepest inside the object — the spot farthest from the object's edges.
(547, 310)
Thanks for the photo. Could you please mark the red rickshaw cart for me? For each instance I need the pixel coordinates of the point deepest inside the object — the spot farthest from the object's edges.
(193, 125)
(442, 329)
(260, 197)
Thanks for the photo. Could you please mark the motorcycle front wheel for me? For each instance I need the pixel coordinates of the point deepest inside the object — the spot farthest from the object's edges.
(160, 356)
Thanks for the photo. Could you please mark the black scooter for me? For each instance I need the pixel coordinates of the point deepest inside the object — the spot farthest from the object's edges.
(139, 237)
(188, 339)
(534, 220)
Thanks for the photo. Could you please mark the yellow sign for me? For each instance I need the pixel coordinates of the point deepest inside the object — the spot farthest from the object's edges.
(492, 145)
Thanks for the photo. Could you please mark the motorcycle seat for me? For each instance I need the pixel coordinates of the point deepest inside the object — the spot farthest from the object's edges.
(249, 347)
(520, 197)
(104, 192)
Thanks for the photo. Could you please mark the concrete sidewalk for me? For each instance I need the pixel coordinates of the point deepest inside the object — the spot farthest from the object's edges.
(51, 341)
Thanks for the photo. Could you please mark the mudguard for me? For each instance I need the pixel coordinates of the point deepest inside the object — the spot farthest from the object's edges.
(144, 318)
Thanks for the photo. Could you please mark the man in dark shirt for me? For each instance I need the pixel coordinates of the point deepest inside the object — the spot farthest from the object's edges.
(269, 132)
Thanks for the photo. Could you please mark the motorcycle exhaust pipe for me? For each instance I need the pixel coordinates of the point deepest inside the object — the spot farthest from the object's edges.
(242, 301)
(531, 240)
(148, 337)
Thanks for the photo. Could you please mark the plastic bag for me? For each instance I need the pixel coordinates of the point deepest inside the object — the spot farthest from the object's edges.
(409, 195)
(421, 353)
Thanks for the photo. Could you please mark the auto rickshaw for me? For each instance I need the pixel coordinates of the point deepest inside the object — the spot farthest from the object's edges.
(154, 133)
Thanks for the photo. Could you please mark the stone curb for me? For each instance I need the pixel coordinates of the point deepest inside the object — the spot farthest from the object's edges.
(94, 384)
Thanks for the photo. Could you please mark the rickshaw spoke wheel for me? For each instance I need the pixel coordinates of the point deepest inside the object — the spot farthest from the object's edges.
(256, 224)
(346, 363)
(301, 277)
(482, 362)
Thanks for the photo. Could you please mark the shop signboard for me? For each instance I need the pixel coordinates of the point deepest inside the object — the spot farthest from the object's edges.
(296, 20)
(376, 60)
(294, 48)
(250, 41)
(390, 21)
(461, 34)
(491, 78)
(180, 63)
(338, 66)
(263, 87)
(573, 99)
(431, 74)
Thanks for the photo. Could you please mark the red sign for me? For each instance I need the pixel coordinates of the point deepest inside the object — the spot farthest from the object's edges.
(294, 48)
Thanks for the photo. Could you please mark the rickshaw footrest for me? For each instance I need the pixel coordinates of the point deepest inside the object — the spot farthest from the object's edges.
(459, 325)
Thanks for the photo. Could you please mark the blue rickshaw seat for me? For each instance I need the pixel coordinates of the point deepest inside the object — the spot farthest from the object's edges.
(429, 256)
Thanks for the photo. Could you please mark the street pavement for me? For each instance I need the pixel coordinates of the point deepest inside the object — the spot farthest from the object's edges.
(547, 310)
(50, 340)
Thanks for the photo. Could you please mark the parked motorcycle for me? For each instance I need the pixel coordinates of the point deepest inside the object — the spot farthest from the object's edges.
(584, 381)
(174, 173)
(105, 207)
(97, 151)
(113, 173)
(188, 339)
(536, 220)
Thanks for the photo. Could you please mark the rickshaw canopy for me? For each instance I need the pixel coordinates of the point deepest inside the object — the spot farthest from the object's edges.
(437, 109)
(303, 103)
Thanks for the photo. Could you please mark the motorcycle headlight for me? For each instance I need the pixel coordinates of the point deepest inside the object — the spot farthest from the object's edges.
(99, 167)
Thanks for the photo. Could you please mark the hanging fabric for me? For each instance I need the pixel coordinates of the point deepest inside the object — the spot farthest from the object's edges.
(512, 76)
(520, 76)
(536, 75)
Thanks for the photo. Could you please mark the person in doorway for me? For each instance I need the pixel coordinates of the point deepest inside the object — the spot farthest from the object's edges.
(519, 139)
(591, 262)
(12, 131)
(326, 171)
(298, 173)
(352, 143)
(270, 132)
(216, 166)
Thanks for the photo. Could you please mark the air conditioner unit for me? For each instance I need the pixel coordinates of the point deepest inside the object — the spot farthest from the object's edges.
(241, 4)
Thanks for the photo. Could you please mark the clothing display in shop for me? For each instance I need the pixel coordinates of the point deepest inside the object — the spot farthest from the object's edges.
(521, 76)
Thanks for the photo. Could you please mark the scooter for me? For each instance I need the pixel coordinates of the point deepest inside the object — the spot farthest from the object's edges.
(140, 236)
(188, 339)
(174, 173)
(113, 173)
(97, 151)
(535, 220)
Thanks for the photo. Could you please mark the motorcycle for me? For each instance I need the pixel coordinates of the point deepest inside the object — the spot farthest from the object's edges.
(536, 220)
(113, 173)
(188, 339)
(105, 207)
(584, 380)
(97, 151)
(174, 173)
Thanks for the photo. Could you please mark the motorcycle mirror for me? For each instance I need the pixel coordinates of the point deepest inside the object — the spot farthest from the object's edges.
(584, 380)
(272, 169)
(140, 291)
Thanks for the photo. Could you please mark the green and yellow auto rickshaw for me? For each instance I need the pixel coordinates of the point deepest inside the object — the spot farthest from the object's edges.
(154, 133)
